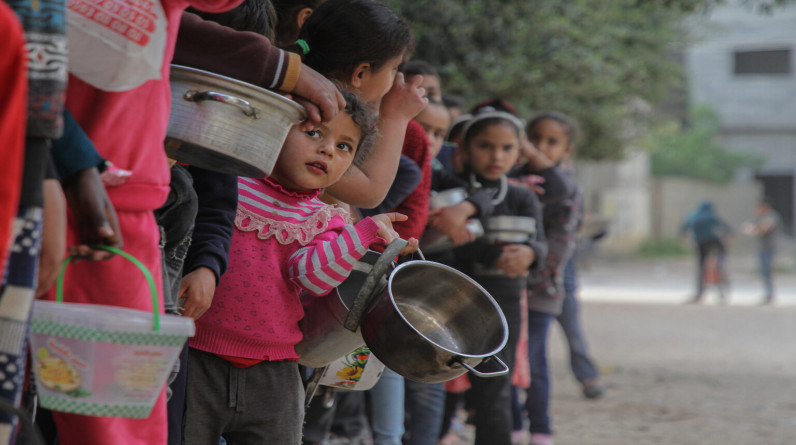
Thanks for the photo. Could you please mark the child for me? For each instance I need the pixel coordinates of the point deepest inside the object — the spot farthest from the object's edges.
(286, 241)
(554, 135)
(491, 148)
(334, 37)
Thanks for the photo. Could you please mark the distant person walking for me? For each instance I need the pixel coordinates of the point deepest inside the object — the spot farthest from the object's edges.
(709, 233)
(765, 227)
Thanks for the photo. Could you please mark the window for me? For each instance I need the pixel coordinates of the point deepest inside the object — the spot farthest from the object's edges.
(769, 61)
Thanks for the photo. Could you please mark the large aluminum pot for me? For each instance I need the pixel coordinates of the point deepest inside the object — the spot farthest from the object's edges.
(433, 323)
(226, 125)
(330, 327)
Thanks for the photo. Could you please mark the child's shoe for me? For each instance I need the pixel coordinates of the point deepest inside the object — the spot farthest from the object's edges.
(592, 389)
(541, 439)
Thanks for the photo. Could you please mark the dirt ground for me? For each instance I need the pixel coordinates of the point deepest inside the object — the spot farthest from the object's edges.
(679, 374)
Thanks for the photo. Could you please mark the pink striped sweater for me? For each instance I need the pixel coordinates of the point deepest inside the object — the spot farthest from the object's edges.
(285, 241)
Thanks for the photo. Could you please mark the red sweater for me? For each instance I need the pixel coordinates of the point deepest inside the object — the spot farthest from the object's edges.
(415, 206)
(14, 91)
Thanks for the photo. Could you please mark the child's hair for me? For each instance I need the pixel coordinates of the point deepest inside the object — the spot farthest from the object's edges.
(415, 67)
(486, 119)
(365, 118)
(342, 34)
(457, 126)
(494, 104)
(287, 30)
(257, 16)
(570, 127)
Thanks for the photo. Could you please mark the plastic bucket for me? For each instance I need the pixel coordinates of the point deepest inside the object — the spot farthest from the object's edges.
(101, 360)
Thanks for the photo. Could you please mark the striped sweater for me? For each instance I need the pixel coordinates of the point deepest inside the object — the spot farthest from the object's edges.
(284, 242)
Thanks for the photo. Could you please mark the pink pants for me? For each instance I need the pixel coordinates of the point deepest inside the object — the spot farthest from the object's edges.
(117, 282)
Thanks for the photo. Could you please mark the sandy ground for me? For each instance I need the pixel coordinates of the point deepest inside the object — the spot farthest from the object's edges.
(675, 373)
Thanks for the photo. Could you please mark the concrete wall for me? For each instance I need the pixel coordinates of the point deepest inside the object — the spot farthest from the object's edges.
(619, 193)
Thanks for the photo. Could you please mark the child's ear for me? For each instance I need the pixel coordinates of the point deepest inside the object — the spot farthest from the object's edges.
(302, 16)
(359, 74)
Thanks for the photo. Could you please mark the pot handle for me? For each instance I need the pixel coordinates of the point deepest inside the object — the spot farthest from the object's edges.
(243, 105)
(369, 285)
(503, 371)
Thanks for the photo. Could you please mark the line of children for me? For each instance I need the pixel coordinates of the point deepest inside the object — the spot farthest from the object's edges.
(243, 380)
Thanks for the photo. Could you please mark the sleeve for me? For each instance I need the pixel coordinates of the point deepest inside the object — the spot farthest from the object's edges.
(557, 185)
(241, 55)
(533, 208)
(406, 179)
(215, 220)
(73, 151)
(329, 259)
(415, 206)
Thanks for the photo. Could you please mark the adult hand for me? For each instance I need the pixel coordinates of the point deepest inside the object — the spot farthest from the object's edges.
(405, 99)
(53, 238)
(386, 231)
(515, 259)
(196, 290)
(319, 96)
(95, 217)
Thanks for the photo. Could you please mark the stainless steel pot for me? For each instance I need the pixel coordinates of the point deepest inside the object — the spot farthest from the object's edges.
(510, 229)
(330, 327)
(226, 125)
(432, 323)
(445, 198)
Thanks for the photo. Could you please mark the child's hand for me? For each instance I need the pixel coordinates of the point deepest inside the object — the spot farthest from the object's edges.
(405, 99)
(94, 214)
(530, 181)
(515, 259)
(386, 231)
(537, 160)
(53, 238)
(452, 221)
(197, 289)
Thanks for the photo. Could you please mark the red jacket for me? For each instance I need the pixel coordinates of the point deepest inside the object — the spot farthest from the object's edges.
(415, 206)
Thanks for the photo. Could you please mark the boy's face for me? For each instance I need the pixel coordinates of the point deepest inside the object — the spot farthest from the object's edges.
(316, 159)
(435, 121)
(373, 85)
(494, 150)
(550, 137)
(433, 89)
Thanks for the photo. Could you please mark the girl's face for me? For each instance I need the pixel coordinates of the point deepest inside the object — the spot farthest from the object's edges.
(551, 138)
(494, 150)
(316, 159)
(373, 85)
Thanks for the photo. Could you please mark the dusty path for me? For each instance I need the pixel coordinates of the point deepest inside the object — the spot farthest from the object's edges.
(679, 374)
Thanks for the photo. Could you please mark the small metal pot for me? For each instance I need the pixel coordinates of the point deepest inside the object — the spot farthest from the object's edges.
(433, 323)
(226, 125)
(434, 241)
(510, 229)
(445, 198)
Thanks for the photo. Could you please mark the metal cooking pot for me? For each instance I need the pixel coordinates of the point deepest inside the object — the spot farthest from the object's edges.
(510, 229)
(433, 323)
(226, 125)
(330, 326)
(445, 198)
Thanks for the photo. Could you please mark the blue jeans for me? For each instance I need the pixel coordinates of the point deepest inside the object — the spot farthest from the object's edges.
(766, 257)
(425, 405)
(538, 401)
(579, 360)
(387, 409)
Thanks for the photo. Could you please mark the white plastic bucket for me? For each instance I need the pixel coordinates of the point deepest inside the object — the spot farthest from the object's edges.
(102, 360)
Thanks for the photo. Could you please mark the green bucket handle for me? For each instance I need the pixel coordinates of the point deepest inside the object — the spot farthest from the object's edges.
(59, 286)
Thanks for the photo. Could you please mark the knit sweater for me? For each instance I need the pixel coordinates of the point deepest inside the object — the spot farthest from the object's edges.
(284, 242)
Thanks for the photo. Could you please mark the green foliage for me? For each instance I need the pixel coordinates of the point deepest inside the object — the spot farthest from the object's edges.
(665, 247)
(590, 59)
(695, 151)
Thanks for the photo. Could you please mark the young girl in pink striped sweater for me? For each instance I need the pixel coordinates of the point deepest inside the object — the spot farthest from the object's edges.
(244, 382)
